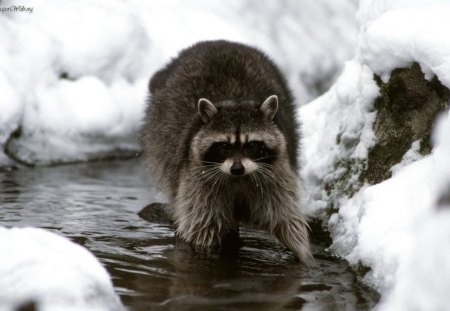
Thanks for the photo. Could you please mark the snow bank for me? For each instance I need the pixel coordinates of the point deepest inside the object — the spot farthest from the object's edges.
(73, 71)
(73, 75)
(422, 279)
(37, 266)
(394, 227)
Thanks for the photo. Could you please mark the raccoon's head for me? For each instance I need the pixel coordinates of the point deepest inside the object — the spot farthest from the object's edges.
(238, 138)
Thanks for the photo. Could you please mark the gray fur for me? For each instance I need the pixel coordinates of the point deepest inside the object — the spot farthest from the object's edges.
(235, 84)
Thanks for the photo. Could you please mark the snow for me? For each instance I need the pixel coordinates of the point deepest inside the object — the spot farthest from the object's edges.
(344, 112)
(419, 35)
(73, 75)
(51, 271)
(422, 280)
(397, 228)
(423, 277)
(79, 92)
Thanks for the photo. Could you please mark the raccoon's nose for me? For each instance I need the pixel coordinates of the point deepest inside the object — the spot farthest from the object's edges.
(237, 169)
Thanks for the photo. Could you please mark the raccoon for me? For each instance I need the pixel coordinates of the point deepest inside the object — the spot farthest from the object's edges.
(220, 140)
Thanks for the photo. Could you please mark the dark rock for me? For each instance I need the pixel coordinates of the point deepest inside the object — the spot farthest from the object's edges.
(444, 199)
(296, 303)
(28, 306)
(407, 107)
(155, 213)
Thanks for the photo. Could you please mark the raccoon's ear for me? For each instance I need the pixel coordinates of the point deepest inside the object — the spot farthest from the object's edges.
(206, 109)
(270, 107)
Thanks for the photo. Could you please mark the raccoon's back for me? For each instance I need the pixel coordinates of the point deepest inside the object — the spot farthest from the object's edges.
(216, 70)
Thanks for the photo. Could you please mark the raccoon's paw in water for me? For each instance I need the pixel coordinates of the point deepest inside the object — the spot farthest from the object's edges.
(293, 233)
(199, 235)
(230, 244)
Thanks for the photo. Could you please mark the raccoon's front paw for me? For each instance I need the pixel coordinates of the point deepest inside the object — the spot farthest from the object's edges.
(231, 240)
(294, 235)
(200, 238)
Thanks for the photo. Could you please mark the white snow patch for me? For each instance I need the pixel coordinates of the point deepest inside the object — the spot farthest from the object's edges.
(56, 274)
(344, 113)
(411, 34)
(422, 280)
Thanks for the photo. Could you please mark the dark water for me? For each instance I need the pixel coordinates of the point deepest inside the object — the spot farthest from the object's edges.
(96, 205)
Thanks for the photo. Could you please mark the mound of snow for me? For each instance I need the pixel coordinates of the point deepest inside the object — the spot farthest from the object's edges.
(40, 267)
(422, 280)
(73, 75)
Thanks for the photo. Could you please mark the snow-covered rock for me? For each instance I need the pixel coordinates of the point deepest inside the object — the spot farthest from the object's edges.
(397, 228)
(73, 75)
(41, 268)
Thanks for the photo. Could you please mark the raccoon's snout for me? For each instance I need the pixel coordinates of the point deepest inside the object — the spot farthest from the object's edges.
(237, 169)
(238, 166)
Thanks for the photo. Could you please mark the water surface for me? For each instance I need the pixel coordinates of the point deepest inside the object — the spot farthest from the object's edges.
(96, 205)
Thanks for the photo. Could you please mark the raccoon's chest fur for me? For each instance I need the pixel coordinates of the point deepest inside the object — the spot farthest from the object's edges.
(242, 203)
(247, 200)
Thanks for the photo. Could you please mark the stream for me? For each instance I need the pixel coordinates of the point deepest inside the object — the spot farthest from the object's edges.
(96, 205)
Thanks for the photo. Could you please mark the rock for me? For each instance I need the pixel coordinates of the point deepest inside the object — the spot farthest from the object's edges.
(407, 107)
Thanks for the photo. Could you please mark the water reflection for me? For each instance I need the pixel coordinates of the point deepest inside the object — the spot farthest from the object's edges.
(96, 205)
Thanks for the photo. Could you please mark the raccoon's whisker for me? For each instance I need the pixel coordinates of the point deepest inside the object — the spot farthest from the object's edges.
(212, 175)
(262, 178)
(215, 184)
(258, 183)
(209, 162)
(267, 170)
(266, 176)
(270, 177)
(204, 176)
(221, 178)
(266, 165)
(264, 158)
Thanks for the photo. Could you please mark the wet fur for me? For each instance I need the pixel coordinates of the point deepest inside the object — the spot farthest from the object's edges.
(203, 203)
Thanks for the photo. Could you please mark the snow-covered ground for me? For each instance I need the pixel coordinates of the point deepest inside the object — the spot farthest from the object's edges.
(398, 228)
(51, 272)
(73, 74)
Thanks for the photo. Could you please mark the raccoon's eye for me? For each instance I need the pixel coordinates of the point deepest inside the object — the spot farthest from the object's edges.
(254, 149)
(223, 148)
(218, 152)
(259, 152)
(254, 145)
